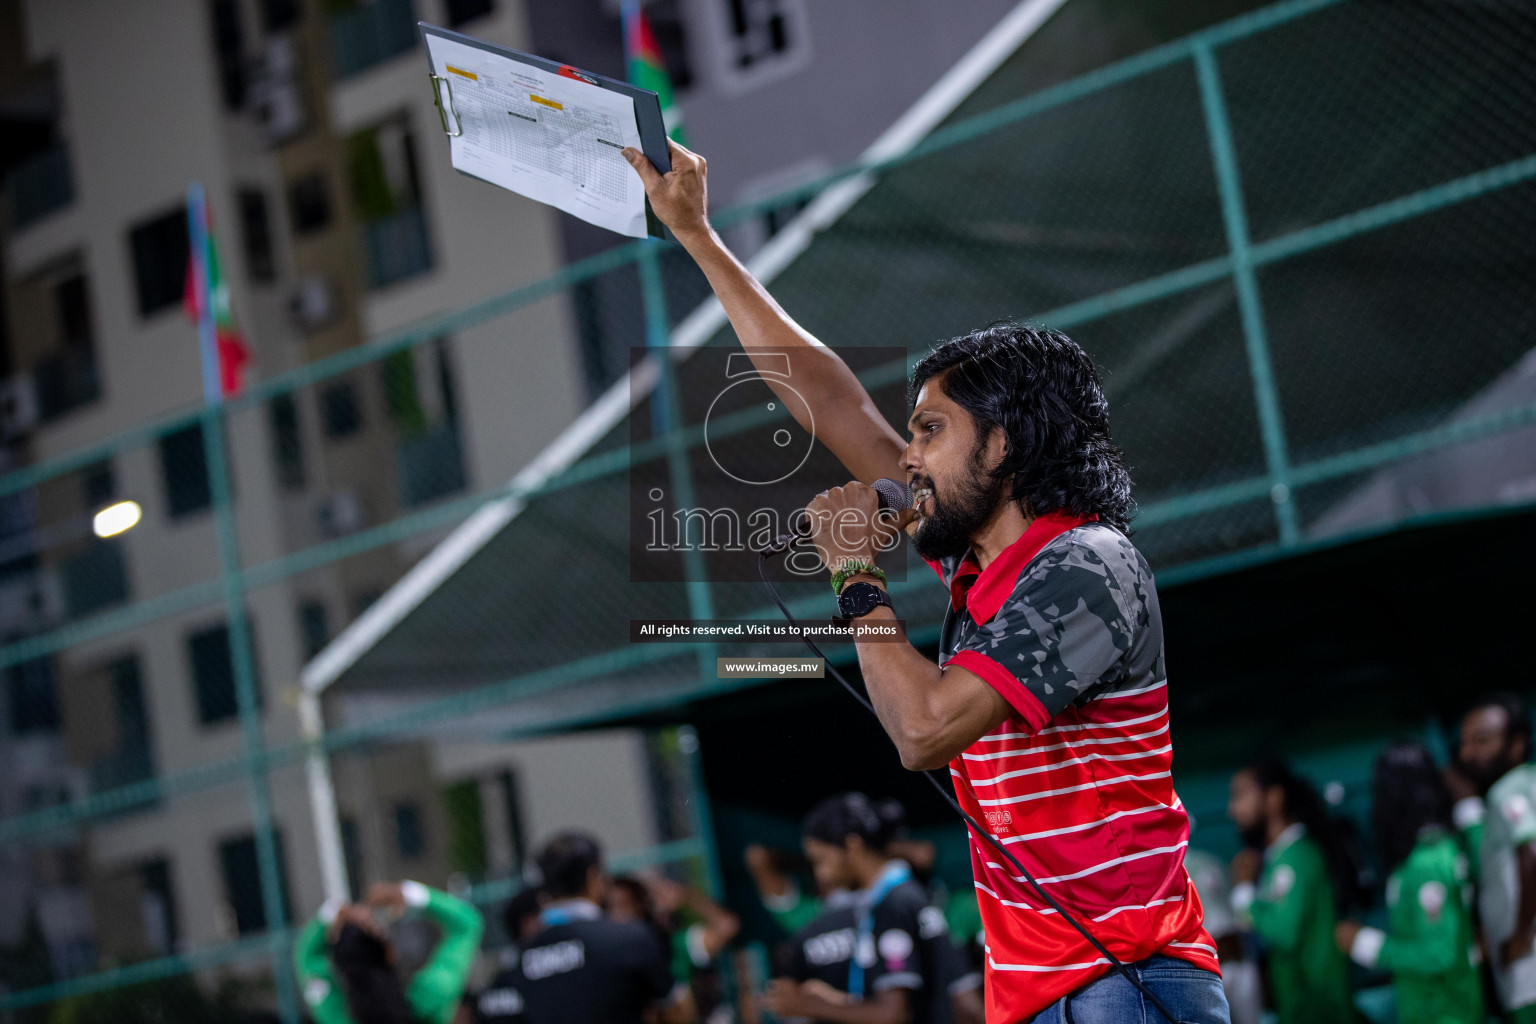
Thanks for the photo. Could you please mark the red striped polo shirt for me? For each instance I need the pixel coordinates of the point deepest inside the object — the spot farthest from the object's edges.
(1065, 624)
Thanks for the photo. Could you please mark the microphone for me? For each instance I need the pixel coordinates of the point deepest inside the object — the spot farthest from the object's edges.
(895, 496)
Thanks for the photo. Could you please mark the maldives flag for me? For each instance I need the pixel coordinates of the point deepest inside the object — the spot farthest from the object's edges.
(233, 352)
(647, 69)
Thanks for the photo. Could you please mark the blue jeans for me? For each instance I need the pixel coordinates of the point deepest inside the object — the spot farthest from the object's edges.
(1192, 994)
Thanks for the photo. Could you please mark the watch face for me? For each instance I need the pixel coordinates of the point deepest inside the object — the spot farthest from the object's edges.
(859, 599)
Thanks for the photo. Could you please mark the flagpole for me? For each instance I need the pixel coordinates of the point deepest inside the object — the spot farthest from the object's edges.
(207, 330)
(242, 664)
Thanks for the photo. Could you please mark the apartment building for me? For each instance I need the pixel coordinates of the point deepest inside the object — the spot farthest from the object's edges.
(338, 219)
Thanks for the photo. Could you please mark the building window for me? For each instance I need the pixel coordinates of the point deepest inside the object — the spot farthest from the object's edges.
(213, 673)
(55, 339)
(229, 52)
(161, 248)
(461, 11)
(93, 576)
(279, 15)
(40, 184)
(34, 696)
(161, 931)
(256, 233)
(315, 627)
(67, 379)
(287, 442)
(352, 855)
(386, 193)
(98, 484)
(759, 29)
(517, 830)
(242, 882)
(132, 759)
(184, 472)
(667, 19)
(760, 40)
(339, 409)
(309, 203)
(429, 459)
(410, 840)
(365, 33)
(466, 828)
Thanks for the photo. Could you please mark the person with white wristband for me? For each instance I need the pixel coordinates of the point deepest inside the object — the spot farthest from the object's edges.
(1285, 890)
(1495, 746)
(1429, 944)
(346, 965)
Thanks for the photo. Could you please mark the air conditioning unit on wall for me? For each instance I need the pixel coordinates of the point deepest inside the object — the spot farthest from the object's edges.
(340, 513)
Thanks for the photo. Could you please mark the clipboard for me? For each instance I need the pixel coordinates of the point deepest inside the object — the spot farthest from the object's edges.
(647, 105)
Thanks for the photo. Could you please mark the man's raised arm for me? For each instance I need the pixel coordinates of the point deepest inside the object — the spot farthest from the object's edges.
(847, 421)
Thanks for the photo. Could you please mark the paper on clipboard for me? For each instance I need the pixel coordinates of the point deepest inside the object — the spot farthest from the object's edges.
(540, 134)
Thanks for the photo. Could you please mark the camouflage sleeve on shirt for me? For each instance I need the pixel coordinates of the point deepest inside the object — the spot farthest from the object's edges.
(1073, 621)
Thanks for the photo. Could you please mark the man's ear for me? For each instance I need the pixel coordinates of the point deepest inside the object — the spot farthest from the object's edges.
(997, 445)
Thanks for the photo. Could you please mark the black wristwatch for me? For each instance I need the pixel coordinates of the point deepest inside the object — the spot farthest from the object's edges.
(858, 599)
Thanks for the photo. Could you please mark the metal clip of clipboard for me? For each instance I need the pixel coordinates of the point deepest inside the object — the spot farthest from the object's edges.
(444, 109)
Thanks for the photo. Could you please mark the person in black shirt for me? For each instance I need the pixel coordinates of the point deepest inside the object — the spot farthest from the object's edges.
(500, 1002)
(884, 958)
(582, 967)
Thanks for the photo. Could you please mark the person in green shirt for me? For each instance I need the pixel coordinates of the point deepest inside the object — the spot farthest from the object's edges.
(346, 963)
(1286, 895)
(1429, 945)
(1495, 745)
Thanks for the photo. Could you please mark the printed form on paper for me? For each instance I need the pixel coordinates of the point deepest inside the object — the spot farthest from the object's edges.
(542, 135)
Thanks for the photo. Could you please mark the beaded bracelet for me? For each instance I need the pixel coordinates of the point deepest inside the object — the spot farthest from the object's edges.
(855, 567)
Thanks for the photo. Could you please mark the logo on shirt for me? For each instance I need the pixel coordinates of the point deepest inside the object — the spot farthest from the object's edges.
(1000, 821)
(895, 946)
(561, 958)
(1432, 900)
(930, 922)
(830, 948)
(501, 1002)
(1282, 882)
(315, 991)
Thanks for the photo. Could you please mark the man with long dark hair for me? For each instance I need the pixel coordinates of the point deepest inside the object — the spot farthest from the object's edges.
(1287, 888)
(1049, 699)
(1495, 746)
(346, 962)
(1429, 945)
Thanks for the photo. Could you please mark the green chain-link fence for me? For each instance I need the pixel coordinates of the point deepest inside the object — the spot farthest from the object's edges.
(1299, 244)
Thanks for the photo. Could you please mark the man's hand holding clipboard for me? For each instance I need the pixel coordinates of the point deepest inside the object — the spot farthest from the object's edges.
(680, 196)
(546, 130)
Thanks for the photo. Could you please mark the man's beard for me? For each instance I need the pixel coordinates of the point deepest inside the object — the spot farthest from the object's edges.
(1484, 776)
(1254, 836)
(948, 532)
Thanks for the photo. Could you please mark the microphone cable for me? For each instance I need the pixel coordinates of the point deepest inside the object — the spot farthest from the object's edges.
(943, 789)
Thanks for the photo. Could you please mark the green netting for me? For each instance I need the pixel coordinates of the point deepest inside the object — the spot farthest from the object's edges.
(1298, 244)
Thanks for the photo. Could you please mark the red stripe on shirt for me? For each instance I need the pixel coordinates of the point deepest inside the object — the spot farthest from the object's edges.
(1006, 683)
(1108, 835)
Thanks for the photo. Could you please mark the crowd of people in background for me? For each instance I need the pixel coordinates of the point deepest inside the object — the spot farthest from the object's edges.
(881, 940)
(1456, 847)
